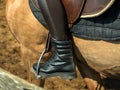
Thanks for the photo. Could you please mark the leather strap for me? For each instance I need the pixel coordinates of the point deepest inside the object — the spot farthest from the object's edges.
(73, 9)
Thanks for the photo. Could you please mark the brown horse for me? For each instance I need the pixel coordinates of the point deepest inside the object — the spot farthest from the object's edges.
(91, 55)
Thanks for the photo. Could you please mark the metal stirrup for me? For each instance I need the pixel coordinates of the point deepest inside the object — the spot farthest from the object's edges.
(39, 60)
(47, 49)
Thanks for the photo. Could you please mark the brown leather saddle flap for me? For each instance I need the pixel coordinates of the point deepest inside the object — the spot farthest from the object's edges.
(73, 9)
(94, 8)
(82, 8)
(85, 8)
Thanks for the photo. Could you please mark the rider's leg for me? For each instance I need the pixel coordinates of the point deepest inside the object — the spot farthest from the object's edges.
(56, 19)
(61, 63)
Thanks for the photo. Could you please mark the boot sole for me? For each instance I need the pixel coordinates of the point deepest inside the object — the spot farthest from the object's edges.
(68, 75)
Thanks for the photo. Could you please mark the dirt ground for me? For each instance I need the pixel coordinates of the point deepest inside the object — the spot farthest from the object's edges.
(10, 58)
(9, 47)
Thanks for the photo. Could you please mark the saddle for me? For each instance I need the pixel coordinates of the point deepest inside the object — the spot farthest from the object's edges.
(83, 8)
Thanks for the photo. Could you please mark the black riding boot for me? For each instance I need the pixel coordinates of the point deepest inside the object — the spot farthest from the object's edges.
(60, 64)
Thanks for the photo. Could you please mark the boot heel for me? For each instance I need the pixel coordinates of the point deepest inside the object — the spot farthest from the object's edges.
(68, 76)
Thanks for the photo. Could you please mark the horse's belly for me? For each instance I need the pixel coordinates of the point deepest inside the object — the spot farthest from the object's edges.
(101, 55)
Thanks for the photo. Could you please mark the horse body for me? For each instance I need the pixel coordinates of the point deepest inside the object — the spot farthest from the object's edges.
(30, 34)
(100, 55)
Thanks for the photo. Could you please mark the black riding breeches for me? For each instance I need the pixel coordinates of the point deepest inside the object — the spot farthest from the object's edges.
(56, 18)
